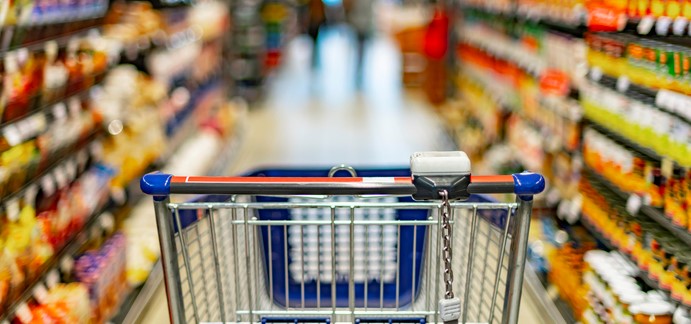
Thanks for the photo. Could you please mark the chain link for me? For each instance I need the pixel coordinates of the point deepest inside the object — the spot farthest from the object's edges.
(445, 214)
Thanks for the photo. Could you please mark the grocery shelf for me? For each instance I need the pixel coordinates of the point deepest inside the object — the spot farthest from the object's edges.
(45, 108)
(667, 35)
(573, 29)
(657, 215)
(610, 82)
(554, 310)
(61, 40)
(91, 138)
(73, 246)
(528, 66)
(134, 304)
(631, 89)
(653, 213)
(596, 233)
(623, 140)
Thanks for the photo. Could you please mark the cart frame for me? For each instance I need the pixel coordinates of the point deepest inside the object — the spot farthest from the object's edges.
(172, 239)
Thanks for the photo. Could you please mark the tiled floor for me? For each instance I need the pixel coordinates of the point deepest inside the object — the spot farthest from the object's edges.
(319, 118)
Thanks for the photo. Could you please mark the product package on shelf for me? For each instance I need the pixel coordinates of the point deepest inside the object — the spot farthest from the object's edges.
(614, 294)
(604, 116)
(659, 256)
(64, 303)
(43, 221)
(565, 268)
(35, 79)
(519, 82)
(76, 132)
(569, 14)
(26, 23)
(246, 57)
(98, 287)
(277, 17)
(102, 271)
(648, 62)
(650, 17)
(129, 102)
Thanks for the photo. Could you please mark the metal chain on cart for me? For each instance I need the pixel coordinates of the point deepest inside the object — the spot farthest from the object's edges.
(445, 214)
(450, 306)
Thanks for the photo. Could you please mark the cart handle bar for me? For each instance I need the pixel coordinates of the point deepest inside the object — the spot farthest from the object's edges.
(525, 185)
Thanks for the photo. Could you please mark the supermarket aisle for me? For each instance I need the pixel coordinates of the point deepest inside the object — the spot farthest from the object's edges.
(319, 118)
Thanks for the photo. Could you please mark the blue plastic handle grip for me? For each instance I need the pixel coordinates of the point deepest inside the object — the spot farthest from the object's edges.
(156, 184)
(528, 184)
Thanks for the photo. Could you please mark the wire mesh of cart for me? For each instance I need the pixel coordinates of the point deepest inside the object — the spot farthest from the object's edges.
(412, 245)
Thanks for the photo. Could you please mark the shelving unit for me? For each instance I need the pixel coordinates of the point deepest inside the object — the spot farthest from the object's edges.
(504, 51)
(576, 28)
(643, 276)
(136, 301)
(623, 85)
(115, 122)
(75, 245)
(623, 140)
(653, 213)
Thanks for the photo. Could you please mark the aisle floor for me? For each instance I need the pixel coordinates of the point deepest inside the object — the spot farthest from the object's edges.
(321, 118)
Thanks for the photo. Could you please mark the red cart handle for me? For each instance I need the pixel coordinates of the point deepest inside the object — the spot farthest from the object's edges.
(524, 185)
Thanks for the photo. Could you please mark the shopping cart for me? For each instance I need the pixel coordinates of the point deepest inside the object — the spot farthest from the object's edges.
(368, 246)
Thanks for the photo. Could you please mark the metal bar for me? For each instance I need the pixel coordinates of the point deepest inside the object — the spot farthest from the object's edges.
(483, 274)
(264, 187)
(169, 261)
(351, 270)
(333, 259)
(321, 185)
(502, 251)
(338, 312)
(271, 267)
(217, 266)
(471, 257)
(398, 266)
(336, 222)
(236, 247)
(367, 256)
(381, 267)
(302, 266)
(412, 296)
(203, 268)
(519, 247)
(190, 281)
(285, 265)
(319, 270)
(248, 261)
(257, 256)
(327, 204)
(428, 262)
(438, 271)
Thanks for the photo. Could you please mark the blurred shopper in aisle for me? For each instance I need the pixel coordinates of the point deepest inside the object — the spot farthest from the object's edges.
(316, 17)
(360, 15)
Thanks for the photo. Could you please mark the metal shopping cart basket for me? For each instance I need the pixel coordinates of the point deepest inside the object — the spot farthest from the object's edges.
(368, 246)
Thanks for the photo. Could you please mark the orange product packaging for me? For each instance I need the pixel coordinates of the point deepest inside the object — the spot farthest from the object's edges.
(617, 5)
(632, 9)
(658, 8)
(686, 9)
(674, 8)
(644, 7)
(606, 19)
